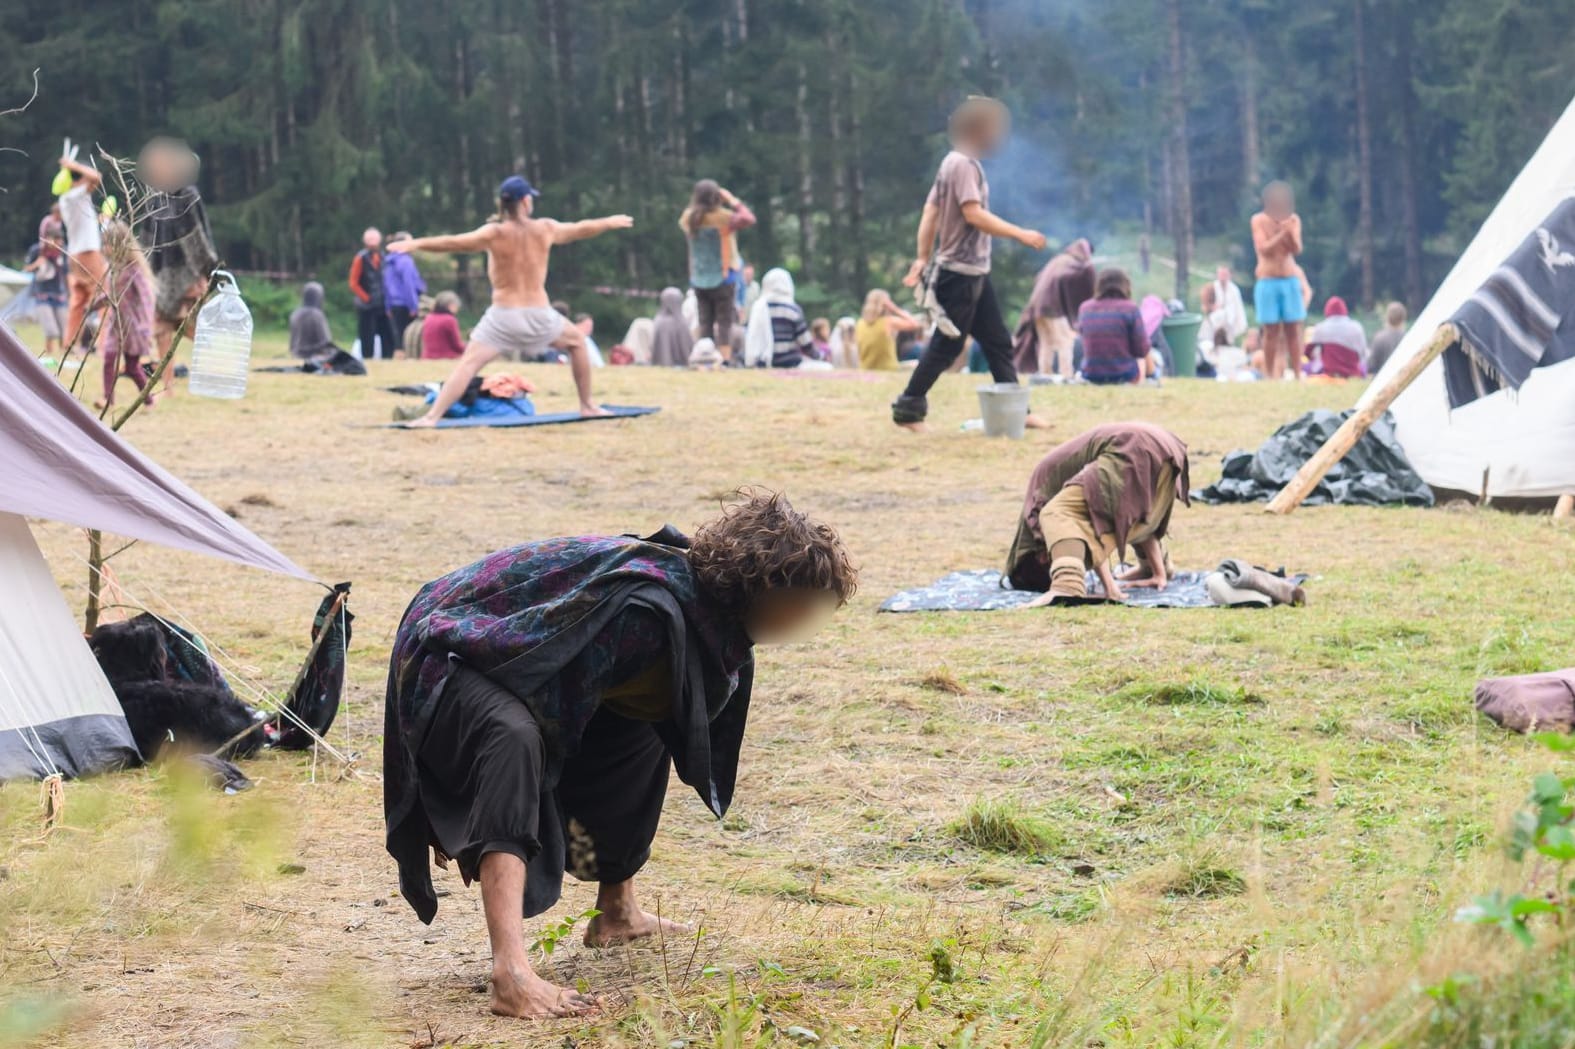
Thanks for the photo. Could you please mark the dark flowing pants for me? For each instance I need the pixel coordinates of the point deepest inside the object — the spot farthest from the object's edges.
(971, 304)
(483, 771)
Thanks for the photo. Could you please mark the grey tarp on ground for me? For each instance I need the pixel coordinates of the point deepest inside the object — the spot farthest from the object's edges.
(980, 590)
(62, 464)
(1374, 473)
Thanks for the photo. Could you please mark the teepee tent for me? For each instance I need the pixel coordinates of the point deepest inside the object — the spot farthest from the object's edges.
(1524, 440)
(1481, 387)
(58, 714)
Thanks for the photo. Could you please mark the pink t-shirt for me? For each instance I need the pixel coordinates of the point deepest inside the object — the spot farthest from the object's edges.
(440, 338)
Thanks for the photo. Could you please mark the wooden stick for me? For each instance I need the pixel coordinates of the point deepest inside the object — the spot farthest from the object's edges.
(1353, 429)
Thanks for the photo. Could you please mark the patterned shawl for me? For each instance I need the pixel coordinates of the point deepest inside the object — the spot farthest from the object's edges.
(524, 617)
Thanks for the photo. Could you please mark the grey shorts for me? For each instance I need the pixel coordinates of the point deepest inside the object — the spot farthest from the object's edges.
(520, 333)
(51, 318)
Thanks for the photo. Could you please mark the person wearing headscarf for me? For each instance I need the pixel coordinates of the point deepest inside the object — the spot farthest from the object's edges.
(1088, 500)
(844, 345)
(1046, 329)
(671, 338)
(1337, 347)
(310, 338)
(778, 334)
(538, 698)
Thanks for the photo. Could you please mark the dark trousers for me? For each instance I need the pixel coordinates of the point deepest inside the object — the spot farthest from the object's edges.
(717, 307)
(374, 323)
(399, 320)
(971, 304)
(484, 769)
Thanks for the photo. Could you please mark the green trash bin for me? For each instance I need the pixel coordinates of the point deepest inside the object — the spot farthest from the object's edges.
(1181, 332)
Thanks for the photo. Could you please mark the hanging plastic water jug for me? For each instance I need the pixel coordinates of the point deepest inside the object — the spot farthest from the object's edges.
(221, 354)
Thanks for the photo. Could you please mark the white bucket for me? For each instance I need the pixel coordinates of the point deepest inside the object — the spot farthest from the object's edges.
(1004, 408)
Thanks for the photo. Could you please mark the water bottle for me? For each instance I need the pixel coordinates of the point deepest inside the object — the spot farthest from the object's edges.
(222, 351)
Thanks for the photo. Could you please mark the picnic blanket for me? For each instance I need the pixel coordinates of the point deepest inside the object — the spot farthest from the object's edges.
(979, 590)
(618, 412)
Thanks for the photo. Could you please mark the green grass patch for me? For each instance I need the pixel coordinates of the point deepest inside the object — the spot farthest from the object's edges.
(1002, 826)
(1195, 692)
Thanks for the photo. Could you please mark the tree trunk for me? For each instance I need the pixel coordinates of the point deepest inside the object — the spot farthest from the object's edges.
(806, 179)
(1364, 156)
(1410, 221)
(861, 257)
(1181, 158)
(1251, 141)
(839, 174)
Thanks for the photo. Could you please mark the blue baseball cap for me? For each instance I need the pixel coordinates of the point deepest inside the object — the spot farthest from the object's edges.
(516, 188)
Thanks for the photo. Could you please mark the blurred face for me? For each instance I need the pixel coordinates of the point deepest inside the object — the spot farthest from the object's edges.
(372, 238)
(780, 617)
(167, 165)
(587, 325)
(1222, 274)
(1279, 202)
(749, 272)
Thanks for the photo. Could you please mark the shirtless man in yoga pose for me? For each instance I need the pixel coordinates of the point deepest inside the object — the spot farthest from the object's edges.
(521, 319)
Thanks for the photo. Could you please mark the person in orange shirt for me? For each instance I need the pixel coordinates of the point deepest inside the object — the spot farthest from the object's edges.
(1282, 309)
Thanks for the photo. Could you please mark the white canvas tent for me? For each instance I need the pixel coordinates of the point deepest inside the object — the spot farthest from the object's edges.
(1524, 440)
(57, 712)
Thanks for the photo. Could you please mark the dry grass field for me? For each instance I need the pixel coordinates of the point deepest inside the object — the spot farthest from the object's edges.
(1066, 827)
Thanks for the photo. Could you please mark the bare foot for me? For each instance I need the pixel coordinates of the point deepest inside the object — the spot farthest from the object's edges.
(593, 411)
(424, 423)
(1037, 422)
(914, 427)
(528, 997)
(605, 930)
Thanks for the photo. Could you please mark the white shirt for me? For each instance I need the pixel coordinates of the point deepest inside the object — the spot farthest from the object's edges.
(81, 219)
(1232, 312)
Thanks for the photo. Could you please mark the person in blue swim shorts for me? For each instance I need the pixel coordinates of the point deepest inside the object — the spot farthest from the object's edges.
(1282, 309)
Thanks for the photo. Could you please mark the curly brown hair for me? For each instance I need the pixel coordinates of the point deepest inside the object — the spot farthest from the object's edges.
(761, 543)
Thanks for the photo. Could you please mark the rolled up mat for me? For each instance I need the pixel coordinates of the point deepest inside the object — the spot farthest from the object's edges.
(1237, 579)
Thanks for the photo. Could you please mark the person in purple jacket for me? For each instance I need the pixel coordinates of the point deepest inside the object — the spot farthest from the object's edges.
(402, 288)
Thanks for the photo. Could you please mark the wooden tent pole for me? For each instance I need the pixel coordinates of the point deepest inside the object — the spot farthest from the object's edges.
(1352, 430)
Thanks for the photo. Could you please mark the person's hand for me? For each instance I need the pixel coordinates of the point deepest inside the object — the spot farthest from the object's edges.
(401, 247)
(1156, 580)
(915, 271)
(1032, 239)
(729, 198)
(619, 221)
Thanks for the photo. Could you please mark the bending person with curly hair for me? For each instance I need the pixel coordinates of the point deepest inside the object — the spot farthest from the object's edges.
(537, 697)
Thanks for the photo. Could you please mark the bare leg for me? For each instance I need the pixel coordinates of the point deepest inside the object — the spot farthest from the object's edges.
(1274, 364)
(516, 989)
(475, 358)
(621, 919)
(572, 342)
(163, 335)
(1295, 350)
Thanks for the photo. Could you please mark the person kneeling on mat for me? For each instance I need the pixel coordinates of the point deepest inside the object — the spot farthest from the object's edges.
(1088, 500)
(537, 697)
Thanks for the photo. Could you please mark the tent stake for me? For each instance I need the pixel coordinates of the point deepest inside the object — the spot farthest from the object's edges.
(1354, 428)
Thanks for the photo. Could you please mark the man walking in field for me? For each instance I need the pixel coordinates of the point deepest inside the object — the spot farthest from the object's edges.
(521, 320)
(958, 214)
(1278, 295)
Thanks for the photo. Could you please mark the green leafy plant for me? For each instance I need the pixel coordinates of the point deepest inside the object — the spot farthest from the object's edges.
(1542, 830)
(560, 930)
